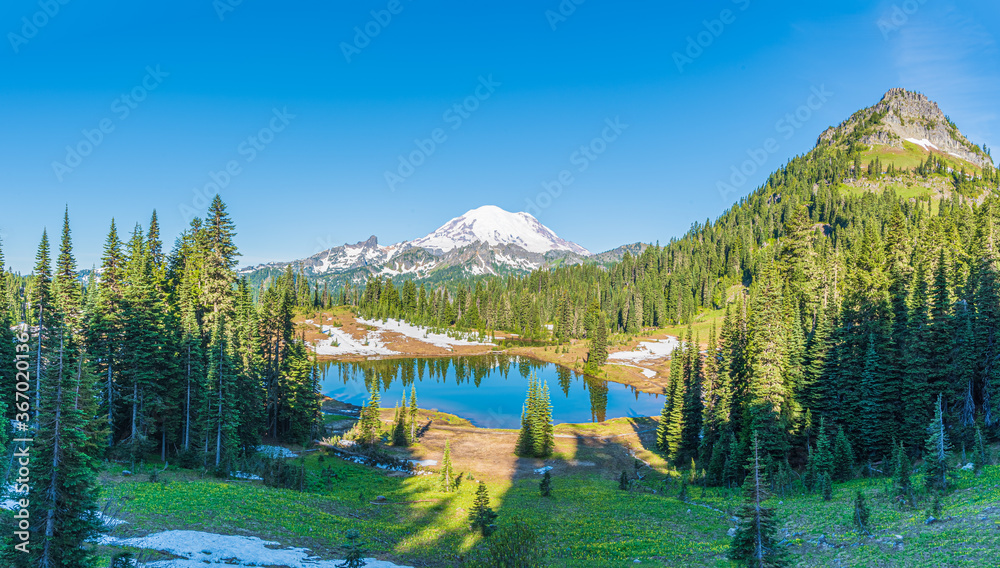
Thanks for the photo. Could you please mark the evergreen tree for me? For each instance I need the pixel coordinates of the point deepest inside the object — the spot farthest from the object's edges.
(901, 475)
(536, 438)
(755, 544)
(399, 433)
(482, 516)
(545, 487)
(64, 477)
(354, 552)
(861, 513)
(370, 421)
(447, 478)
(843, 457)
(937, 452)
(413, 414)
(980, 457)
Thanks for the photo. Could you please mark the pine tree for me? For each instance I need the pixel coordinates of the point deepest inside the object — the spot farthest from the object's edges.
(414, 412)
(843, 457)
(755, 544)
(693, 402)
(399, 433)
(536, 438)
(544, 439)
(767, 358)
(447, 479)
(980, 457)
(370, 422)
(41, 306)
(545, 487)
(482, 516)
(937, 452)
(901, 475)
(861, 513)
(354, 556)
(826, 485)
(64, 477)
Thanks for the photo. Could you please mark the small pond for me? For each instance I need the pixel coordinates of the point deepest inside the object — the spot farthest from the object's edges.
(488, 390)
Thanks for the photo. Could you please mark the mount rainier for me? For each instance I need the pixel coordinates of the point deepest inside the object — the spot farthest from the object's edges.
(485, 240)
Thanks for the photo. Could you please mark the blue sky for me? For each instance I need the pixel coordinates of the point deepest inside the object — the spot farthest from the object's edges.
(325, 112)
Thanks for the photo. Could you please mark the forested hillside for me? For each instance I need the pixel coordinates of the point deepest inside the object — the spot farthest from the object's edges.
(850, 307)
(163, 353)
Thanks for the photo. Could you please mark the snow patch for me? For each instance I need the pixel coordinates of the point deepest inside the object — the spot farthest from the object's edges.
(276, 452)
(200, 548)
(923, 143)
(420, 333)
(646, 350)
(249, 476)
(341, 343)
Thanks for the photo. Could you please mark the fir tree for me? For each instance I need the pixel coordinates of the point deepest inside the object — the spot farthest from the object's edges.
(843, 457)
(354, 552)
(901, 475)
(64, 481)
(446, 480)
(755, 544)
(413, 414)
(399, 430)
(980, 457)
(861, 513)
(937, 452)
(370, 423)
(545, 487)
(482, 516)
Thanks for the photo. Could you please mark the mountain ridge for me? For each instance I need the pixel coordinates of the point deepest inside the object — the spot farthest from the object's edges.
(483, 241)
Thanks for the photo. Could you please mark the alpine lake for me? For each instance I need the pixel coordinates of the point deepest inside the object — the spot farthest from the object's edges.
(488, 390)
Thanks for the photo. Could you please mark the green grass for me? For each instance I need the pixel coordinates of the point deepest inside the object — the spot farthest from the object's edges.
(587, 522)
(702, 325)
(910, 157)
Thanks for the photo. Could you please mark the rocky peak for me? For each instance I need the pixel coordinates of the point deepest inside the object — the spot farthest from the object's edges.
(906, 115)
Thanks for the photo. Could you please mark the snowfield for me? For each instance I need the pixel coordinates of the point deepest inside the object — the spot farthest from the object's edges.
(419, 333)
(341, 343)
(276, 452)
(494, 226)
(200, 550)
(923, 143)
(647, 350)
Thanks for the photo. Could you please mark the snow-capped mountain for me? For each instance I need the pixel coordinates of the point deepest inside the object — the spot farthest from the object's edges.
(492, 225)
(485, 240)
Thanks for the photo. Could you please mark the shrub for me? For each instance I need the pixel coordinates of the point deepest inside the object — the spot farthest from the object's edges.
(512, 546)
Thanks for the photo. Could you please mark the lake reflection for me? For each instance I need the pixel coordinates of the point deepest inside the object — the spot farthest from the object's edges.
(488, 390)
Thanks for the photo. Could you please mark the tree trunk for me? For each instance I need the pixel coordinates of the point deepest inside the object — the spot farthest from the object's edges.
(218, 435)
(50, 513)
(111, 421)
(187, 404)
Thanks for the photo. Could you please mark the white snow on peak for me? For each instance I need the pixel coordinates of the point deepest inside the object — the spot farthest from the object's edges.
(923, 143)
(495, 226)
